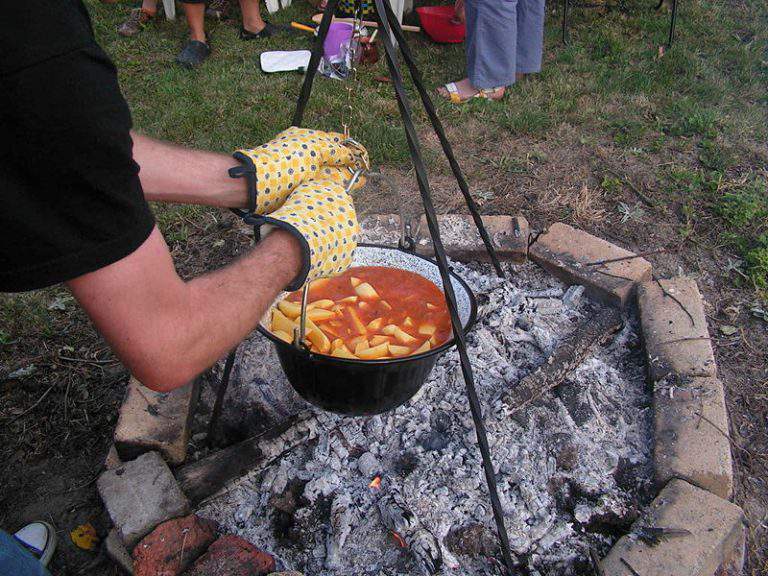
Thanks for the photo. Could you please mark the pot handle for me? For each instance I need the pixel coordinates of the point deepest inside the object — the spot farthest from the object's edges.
(300, 332)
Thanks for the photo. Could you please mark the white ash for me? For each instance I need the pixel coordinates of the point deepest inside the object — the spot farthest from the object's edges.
(569, 469)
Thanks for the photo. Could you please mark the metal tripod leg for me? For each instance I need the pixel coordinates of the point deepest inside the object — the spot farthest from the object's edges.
(314, 62)
(438, 127)
(442, 262)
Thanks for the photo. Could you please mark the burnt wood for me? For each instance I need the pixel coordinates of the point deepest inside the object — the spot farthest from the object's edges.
(208, 475)
(589, 334)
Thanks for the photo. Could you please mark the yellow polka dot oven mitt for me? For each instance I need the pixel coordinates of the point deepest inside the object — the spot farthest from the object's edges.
(296, 155)
(322, 216)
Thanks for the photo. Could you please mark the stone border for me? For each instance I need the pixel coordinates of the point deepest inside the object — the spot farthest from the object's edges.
(692, 457)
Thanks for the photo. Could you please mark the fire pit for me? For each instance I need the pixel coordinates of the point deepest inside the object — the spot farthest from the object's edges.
(403, 492)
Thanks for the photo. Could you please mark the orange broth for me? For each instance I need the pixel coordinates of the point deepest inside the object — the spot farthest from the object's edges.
(409, 295)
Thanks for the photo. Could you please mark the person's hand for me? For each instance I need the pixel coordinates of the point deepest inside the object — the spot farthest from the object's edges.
(322, 216)
(459, 12)
(294, 156)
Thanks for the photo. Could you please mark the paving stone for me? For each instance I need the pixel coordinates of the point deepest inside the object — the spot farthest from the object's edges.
(463, 243)
(676, 341)
(460, 236)
(567, 253)
(155, 421)
(139, 495)
(173, 546)
(117, 551)
(230, 555)
(691, 423)
(715, 545)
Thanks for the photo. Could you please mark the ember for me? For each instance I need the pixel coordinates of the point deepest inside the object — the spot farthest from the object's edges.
(563, 464)
(399, 539)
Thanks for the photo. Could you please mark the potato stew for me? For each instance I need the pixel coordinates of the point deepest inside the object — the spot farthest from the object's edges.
(367, 313)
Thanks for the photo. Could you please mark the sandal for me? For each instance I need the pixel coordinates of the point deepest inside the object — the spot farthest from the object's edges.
(484, 93)
(193, 54)
(268, 31)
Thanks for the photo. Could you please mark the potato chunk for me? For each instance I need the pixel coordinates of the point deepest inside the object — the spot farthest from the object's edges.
(343, 352)
(281, 322)
(431, 306)
(357, 324)
(408, 322)
(325, 303)
(374, 353)
(403, 337)
(396, 350)
(284, 336)
(290, 309)
(375, 324)
(317, 337)
(366, 291)
(356, 340)
(355, 282)
(385, 305)
(362, 345)
(376, 340)
(423, 348)
(348, 300)
(427, 329)
(389, 329)
(319, 315)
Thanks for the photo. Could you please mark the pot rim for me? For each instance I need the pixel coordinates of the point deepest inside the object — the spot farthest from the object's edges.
(387, 361)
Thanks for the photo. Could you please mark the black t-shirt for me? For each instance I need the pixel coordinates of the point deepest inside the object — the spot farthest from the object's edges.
(70, 197)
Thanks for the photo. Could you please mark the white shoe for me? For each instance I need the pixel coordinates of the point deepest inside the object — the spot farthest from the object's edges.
(40, 539)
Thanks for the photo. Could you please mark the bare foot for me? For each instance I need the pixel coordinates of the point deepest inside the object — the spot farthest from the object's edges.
(465, 90)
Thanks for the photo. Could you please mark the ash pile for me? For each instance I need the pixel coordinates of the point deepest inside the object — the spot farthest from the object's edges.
(403, 493)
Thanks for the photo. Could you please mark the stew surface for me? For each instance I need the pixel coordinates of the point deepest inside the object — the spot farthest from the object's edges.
(368, 312)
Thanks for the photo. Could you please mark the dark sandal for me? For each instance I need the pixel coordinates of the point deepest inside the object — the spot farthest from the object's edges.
(266, 32)
(193, 54)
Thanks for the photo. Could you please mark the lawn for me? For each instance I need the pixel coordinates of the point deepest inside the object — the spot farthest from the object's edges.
(652, 149)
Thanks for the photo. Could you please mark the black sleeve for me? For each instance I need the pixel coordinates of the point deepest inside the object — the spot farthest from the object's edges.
(71, 197)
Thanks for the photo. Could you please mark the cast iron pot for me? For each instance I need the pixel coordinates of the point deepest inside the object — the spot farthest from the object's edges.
(367, 387)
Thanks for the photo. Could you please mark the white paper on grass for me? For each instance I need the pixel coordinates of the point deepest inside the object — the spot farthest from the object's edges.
(284, 60)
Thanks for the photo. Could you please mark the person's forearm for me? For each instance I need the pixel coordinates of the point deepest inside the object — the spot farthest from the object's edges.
(170, 173)
(165, 330)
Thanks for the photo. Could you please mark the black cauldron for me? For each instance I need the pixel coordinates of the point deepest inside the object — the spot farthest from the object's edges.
(367, 387)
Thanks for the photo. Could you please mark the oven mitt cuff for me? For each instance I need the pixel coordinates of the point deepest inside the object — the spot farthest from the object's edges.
(322, 216)
(297, 155)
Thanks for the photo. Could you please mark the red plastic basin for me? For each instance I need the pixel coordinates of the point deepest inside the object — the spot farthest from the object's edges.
(436, 22)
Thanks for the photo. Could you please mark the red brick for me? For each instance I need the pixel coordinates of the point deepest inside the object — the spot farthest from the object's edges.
(230, 555)
(568, 253)
(173, 546)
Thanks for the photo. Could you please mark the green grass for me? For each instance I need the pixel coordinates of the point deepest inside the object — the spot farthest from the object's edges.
(700, 112)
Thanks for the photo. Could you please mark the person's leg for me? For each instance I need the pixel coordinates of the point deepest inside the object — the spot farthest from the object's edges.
(252, 21)
(254, 26)
(530, 36)
(195, 15)
(491, 53)
(490, 47)
(17, 560)
(196, 50)
(138, 18)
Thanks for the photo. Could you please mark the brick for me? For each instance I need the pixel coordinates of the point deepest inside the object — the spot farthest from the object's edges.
(675, 341)
(715, 545)
(462, 241)
(154, 421)
(117, 552)
(691, 423)
(139, 495)
(567, 252)
(233, 556)
(173, 546)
